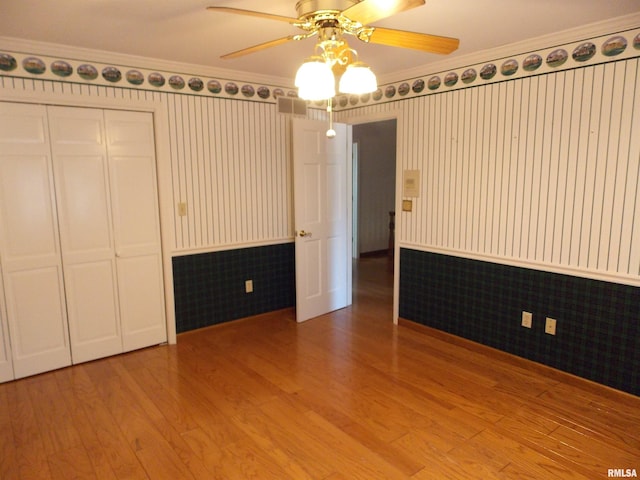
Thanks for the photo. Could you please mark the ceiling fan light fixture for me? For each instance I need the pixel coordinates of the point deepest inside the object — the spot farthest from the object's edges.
(315, 80)
(358, 79)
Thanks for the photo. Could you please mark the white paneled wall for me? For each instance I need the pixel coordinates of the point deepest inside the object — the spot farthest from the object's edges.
(231, 166)
(540, 171)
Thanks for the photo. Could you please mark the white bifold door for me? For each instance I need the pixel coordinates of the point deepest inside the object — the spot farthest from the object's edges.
(79, 235)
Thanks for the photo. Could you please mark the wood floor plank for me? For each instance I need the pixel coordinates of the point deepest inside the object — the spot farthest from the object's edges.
(156, 455)
(167, 407)
(102, 438)
(260, 361)
(450, 467)
(245, 460)
(8, 468)
(526, 462)
(592, 460)
(96, 450)
(177, 455)
(30, 459)
(281, 444)
(72, 463)
(207, 450)
(599, 447)
(582, 411)
(54, 419)
(346, 454)
(293, 431)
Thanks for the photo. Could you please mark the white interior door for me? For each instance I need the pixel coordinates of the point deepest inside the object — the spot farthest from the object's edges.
(322, 220)
(29, 243)
(82, 190)
(134, 197)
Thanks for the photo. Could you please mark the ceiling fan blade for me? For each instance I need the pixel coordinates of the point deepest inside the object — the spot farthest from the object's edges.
(257, 48)
(253, 14)
(417, 41)
(369, 11)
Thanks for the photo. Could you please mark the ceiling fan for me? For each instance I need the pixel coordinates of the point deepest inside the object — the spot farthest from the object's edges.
(331, 19)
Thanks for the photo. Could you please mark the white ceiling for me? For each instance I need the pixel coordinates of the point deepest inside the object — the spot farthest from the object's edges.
(183, 31)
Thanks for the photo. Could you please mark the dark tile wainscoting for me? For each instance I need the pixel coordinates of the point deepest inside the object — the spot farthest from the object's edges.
(209, 288)
(598, 323)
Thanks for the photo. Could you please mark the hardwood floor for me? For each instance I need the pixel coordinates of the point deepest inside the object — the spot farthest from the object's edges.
(344, 396)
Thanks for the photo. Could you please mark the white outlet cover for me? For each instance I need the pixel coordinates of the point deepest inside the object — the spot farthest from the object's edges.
(550, 326)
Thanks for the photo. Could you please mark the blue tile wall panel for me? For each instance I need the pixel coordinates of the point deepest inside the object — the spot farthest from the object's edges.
(598, 331)
(209, 288)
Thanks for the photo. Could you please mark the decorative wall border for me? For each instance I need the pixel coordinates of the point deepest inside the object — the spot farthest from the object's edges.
(606, 48)
(45, 67)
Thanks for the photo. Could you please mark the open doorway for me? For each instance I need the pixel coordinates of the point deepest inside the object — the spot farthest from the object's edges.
(374, 191)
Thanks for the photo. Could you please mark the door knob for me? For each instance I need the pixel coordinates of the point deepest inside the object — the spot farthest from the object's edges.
(302, 233)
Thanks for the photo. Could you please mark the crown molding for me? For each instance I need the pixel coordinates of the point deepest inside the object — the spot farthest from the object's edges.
(588, 31)
(33, 47)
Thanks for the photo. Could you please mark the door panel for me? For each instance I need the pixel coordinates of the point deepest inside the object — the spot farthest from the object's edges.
(134, 198)
(29, 248)
(30, 236)
(313, 266)
(135, 205)
(311, 214)
(141, 301)
(93, 310)
(82, 191)
(35, 307)
(78, 130)
(323, 262)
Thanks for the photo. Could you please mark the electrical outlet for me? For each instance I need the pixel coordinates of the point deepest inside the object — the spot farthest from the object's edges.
(182, 209)
(550, 326)
(248, 286)
(527, 319)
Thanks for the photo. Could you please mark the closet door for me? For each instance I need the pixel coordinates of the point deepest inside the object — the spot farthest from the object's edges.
(134, 200)
(82, 190)
(29, 243)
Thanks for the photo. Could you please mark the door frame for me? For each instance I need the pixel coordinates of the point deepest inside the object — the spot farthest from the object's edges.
(355, 202)
(378, 117)
(163, 169)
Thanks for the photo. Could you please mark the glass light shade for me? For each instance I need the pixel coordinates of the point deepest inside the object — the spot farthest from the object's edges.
(358, 79)
(315, 80)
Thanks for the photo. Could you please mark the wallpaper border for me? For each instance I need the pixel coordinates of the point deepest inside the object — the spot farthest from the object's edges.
(619, 45)
(611, 47)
